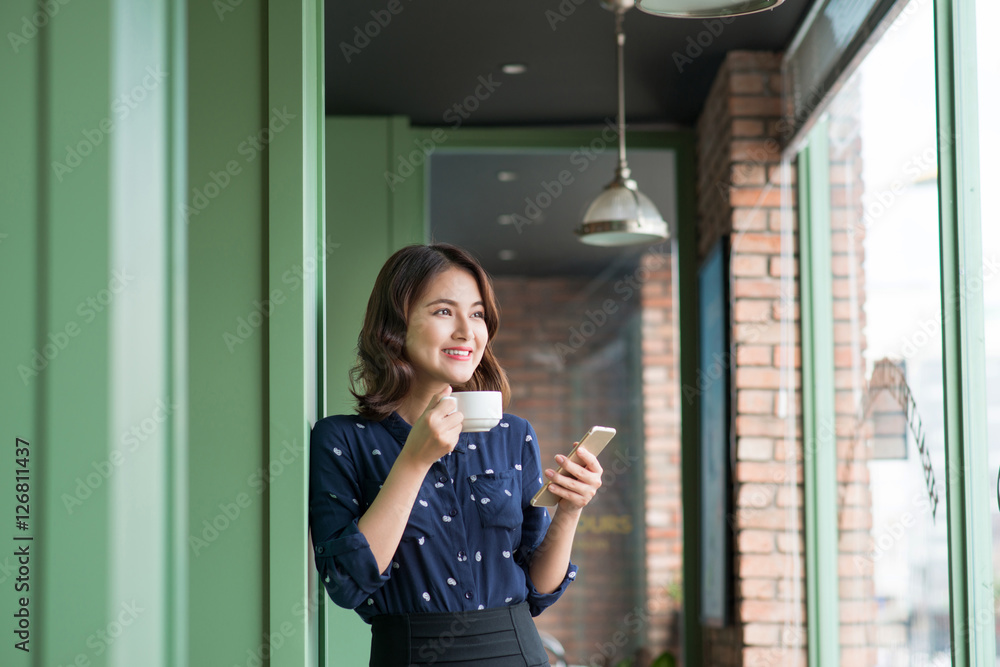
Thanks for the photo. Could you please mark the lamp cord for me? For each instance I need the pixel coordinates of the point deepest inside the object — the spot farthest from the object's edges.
(620, 40)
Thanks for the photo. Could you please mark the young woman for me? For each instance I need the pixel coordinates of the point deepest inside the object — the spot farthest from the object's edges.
(423, 530)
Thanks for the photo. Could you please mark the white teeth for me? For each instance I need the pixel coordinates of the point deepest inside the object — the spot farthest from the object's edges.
(461, 353)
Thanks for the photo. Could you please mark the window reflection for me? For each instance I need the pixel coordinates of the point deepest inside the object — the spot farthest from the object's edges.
(889, 394)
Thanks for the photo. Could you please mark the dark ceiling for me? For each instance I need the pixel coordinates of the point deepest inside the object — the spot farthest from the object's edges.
(430, 54)
(420, 59)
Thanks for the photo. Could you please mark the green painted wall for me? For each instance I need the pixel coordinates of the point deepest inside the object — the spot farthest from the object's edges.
(227, 363)
(366, 222)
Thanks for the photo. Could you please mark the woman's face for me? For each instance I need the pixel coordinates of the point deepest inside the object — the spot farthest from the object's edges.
(446, 330)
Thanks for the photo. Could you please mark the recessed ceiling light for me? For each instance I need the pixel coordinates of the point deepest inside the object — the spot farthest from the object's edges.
(506, 176)
(506, 255)
(519, 220)
(514, 68)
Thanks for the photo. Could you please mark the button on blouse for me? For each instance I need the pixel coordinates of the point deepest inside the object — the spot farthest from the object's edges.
(471, 533)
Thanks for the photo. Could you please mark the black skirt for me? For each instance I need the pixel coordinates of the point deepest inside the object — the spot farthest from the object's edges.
(500, 637)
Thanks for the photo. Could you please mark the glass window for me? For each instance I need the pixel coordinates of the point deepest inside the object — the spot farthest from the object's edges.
(884, 241)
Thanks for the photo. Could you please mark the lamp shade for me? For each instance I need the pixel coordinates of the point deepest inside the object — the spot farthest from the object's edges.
(621, 215)
(700, 9)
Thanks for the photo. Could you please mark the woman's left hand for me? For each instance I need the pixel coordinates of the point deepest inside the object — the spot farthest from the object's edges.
(577, 484)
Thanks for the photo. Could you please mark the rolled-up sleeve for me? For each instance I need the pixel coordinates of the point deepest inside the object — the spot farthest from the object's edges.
(536, 523)
(344, 558)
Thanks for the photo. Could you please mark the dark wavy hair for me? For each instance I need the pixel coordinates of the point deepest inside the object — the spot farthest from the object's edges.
(382, 375)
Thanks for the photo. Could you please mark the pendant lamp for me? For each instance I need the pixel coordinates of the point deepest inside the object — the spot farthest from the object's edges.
(621, 215)
(702, 9)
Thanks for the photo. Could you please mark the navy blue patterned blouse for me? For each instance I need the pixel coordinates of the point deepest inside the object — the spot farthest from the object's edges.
(471, 533)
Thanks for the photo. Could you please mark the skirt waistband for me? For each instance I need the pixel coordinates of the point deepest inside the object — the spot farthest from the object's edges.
(497, 637)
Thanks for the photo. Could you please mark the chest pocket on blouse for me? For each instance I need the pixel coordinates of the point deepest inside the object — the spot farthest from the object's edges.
(498, 498)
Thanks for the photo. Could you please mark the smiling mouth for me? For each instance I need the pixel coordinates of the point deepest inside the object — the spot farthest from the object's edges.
(458, 354)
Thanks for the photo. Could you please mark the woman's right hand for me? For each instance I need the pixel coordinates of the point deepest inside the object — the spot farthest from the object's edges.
(436, 431)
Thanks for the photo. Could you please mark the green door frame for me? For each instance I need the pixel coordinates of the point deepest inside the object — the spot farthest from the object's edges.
(968, 478)
(683, 143)
(296, 347)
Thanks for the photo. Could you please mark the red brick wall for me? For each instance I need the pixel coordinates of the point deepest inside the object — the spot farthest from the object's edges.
(740, 194)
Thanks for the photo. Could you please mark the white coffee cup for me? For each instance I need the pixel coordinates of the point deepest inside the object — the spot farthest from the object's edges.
(482, 409)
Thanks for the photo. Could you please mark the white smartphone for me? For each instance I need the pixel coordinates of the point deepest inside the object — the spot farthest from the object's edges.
(595, 440)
